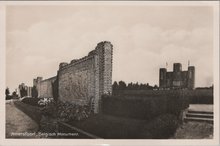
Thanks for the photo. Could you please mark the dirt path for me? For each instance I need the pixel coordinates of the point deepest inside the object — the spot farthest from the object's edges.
(18, 124)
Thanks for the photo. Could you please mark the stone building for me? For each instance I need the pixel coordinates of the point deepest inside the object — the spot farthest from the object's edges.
(177, 79)
(82, 80)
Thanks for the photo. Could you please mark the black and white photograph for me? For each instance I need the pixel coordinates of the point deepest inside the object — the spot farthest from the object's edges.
(111, 70)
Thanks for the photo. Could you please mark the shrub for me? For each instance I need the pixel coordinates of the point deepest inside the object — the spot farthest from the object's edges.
(34, 92)
(144, 106)
(202, 99)
(8, 97)
(45, 101)
(69, 111)
(50, 110)
(133, 108)
(31, 101)
(66, 111)
(197, 96)
(162, 127)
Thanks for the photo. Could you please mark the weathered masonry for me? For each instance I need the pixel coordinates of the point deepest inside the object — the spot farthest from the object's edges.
(177, 78)
(82, 80)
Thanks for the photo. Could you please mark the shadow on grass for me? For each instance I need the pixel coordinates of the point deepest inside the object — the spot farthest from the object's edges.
(111, 127)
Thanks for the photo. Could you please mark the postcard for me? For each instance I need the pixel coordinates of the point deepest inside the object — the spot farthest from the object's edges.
(109, 72)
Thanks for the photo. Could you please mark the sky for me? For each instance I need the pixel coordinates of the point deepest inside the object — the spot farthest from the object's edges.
(144, 38)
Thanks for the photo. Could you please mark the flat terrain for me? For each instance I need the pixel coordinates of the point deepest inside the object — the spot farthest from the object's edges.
(18, 122)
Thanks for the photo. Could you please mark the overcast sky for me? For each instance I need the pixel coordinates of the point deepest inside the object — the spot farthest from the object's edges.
(144, 39)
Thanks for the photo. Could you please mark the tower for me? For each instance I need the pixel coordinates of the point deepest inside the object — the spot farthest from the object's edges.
(177, 78)
(104, 51)
(36, 83)
(162, 77)
(62, 64)
(104, 56)
(177, 67)
(191, 77)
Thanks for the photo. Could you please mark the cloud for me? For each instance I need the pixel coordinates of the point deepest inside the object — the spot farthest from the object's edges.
(141, 46)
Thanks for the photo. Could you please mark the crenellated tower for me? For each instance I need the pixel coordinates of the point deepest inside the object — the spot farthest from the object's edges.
(191, 77)
(162, 80)
(104, 51)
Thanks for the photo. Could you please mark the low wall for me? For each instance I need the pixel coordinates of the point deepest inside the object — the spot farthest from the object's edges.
(197, 96)
(144, 106)
(201, 96)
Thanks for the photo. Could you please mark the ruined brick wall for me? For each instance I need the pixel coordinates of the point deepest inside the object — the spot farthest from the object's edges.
(76, 81)
(104, 52)
(83, 80)
(87, 78)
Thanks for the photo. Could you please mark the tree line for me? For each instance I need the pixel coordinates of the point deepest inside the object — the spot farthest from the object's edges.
(121, 85)
(23, 92)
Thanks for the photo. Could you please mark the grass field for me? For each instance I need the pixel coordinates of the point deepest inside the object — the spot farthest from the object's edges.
(18, 122)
